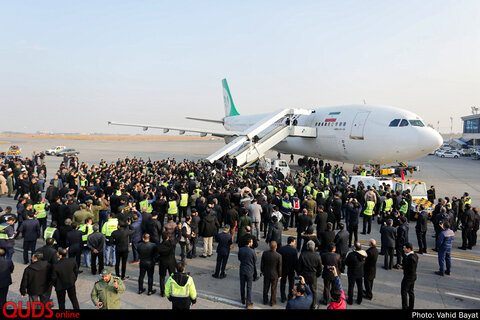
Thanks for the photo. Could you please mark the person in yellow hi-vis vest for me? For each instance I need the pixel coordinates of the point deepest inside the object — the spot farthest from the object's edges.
(172, 210)
(180, 289)
(107, 229)
(87, 229)
(367, 217)
(40, 209)
(183, 204)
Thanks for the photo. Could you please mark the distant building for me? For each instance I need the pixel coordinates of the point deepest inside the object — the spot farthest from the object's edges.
(471, 129)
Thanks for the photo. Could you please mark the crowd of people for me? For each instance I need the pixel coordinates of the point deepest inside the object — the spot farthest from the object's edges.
(104, 212)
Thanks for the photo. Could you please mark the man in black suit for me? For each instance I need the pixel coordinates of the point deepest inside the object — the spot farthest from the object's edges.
(120, 238)
(325, 237)
(224, 240)
(421, 230)
(309, 266)
(402, 238)
(64, 276)
(6, 269)
(388, 237)
(30, 229)
(355, 262)
(75, 243)
(147, 252)
(271, 269)
(409, 276)
(330, 259)
(321, 219)
(370, 269)
(289, 260)
(341, 244)
(166, 259)
(303, 222)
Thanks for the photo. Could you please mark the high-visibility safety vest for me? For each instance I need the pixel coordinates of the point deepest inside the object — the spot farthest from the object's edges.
(314, 193)
(40, 210)
(173, 289)
(468, 200)
(3, 235)
(322, 177)
(404, 207)
(327, 193)
(286, 204)
(183, 199)
(369, 208)
(291, 190)
(110, 226)
(172, 207)
(388, 205)
(270, 189)
(49, 234)
(88, 229)
(83, 182)
(145, 204)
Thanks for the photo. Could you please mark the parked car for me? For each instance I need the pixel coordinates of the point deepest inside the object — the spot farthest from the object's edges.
(448, 154)
(54, 150)
(67, 152)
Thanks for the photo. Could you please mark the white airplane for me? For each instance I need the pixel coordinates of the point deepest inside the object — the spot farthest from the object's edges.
(358, 134)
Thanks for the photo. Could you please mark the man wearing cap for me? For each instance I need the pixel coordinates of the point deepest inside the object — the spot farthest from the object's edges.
(224, 240)
(7, 235)
(106, 292)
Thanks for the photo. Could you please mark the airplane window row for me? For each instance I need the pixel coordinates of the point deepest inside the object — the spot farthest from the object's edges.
(330, 124)
(404, 123)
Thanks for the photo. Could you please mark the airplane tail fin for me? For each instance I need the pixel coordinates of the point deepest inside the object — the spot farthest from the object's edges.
(230, 109)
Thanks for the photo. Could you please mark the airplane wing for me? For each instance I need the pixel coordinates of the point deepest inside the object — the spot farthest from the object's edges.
(181, 130)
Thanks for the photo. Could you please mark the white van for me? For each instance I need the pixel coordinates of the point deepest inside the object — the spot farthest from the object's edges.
(369, 181)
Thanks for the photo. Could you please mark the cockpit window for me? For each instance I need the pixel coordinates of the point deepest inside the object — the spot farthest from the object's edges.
(394, 123)
(416, 123)
(403, 123)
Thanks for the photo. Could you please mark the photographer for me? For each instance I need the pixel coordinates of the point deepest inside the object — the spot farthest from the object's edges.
(303, 296)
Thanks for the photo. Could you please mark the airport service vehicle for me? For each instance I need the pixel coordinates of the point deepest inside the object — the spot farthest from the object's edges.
(418, 191)
(448, 154)
(14, 150)
(54, 150)
(267, 164)
(368, 181)
(275, 164)
(358, 134)
(67, 152)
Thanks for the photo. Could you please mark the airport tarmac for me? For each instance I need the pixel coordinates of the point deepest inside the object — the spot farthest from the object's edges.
(449, 176)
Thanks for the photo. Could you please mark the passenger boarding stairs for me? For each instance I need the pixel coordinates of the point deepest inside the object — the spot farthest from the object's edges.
(249, 146)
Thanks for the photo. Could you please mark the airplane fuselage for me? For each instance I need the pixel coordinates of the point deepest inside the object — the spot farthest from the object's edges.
(357, 134)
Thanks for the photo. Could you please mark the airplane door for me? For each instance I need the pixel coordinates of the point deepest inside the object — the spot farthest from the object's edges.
(358, 125)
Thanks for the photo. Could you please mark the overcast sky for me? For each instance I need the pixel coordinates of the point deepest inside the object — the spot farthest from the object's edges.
(70, 66)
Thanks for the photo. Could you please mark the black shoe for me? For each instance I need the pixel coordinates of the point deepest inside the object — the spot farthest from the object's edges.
(419, 252)
(223, 276)
(215, 276)
(447, 273)
(463, 248)
(439, 273)
(152, 292)
(140, 291)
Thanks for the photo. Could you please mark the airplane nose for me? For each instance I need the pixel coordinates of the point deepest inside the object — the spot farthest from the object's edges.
(431, 141)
